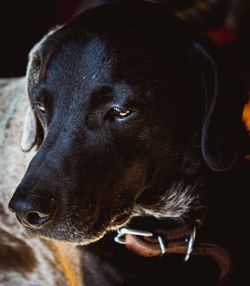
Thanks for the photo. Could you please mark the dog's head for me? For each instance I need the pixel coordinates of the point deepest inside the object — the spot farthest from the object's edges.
(123, 97)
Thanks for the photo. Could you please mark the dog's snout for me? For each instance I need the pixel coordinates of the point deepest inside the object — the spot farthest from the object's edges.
(33, 212)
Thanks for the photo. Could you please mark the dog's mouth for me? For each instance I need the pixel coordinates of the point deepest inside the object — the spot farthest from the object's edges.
(77, 231)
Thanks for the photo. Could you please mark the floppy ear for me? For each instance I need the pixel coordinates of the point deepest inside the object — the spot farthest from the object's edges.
(29, 131)
(224, 101)
(32, 132)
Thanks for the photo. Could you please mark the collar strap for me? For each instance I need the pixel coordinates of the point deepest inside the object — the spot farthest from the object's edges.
(174, 241)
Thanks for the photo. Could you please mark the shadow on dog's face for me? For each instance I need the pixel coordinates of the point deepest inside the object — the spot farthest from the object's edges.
(118, 107)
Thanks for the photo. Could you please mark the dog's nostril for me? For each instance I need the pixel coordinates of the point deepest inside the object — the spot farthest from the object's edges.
(37, 218)
(34, 211)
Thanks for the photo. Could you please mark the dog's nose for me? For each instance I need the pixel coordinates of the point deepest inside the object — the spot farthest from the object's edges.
(33, 212)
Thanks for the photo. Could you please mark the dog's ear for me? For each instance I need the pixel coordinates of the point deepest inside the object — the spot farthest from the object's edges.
(224, 101)
(32, 132)
(29, 131)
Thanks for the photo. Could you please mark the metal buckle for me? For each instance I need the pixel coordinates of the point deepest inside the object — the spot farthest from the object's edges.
(123, 231)
(190, 244)
(161, 244)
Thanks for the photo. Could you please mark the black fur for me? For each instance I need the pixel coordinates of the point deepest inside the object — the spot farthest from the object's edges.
(184, 126)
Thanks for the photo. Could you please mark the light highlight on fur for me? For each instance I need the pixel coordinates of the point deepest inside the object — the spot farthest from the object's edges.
(176, 203)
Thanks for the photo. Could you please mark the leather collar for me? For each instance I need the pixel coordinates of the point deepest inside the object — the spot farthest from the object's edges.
(181, 240)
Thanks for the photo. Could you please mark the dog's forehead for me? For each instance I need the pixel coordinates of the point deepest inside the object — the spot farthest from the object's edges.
(82, 61)
(88, 52)
(96, 60)
(80, 64)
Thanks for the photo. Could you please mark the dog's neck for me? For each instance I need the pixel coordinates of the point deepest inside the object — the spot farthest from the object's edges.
(114, 264)
(175, 201)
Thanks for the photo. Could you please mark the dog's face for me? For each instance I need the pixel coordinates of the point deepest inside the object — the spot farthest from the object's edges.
(111, 103)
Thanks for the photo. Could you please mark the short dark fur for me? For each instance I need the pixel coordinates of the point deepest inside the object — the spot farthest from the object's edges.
(184, 127)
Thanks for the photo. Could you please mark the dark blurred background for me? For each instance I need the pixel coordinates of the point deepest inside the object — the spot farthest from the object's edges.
(23, 23)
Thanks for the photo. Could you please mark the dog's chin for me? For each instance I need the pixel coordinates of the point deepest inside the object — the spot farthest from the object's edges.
(75, 234)
(66, 235)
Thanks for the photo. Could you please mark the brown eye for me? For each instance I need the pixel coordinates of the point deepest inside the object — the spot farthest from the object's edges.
(40, 107)
(120, 112)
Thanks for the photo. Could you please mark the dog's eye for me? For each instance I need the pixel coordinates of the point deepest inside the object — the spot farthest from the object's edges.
(120, 112)
(40, 107)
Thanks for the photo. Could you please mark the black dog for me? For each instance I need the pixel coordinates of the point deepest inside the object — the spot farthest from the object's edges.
(138, 124)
